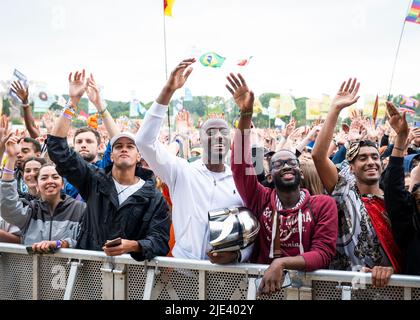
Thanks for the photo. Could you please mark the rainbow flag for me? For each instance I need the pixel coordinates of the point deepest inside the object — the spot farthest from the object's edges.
(408, 104)
(414, 13)
(167, 7)
(211, 59)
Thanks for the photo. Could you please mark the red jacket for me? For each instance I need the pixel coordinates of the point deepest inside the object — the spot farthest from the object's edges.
(320, 218)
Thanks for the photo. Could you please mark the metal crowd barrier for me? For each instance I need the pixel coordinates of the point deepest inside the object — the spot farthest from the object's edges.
(91, 275)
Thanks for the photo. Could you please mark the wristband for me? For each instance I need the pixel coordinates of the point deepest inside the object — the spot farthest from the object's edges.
(5, 170)
(57, 244)
(244, 114)
(101, 113)
(25, 105)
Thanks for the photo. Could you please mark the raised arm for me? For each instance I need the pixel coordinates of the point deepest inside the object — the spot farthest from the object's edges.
(252, 193)
(94, 97)
(398, 201)
(346, 96)
(5, 134)
(11, 208)
(77, 88)
(22, 93)
(160, 160)
(69, 164)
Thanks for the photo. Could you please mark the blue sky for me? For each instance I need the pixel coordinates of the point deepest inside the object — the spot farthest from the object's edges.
(307, 47)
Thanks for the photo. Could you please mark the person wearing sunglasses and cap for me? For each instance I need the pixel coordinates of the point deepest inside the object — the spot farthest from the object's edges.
(298, 231)
(365, 241)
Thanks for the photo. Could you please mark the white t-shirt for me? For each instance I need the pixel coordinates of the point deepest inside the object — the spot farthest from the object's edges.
(124, 191)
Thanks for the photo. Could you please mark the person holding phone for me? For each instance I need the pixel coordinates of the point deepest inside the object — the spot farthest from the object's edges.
(122, 200)
(47, 223)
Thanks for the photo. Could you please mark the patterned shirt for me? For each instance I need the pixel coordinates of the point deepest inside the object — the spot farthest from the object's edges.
(357, 243)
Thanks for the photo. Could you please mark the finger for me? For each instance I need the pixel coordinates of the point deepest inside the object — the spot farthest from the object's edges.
(20, 86)
(75, 76)
(375, 276)
(230, 90)
(233, 84)
(83, 75)
(70, 76)
(346, 89)
(356, 90)
(92, 79)
(188, 72)
(235, 79)
(242, 80)
(342, 87)
(353, 85)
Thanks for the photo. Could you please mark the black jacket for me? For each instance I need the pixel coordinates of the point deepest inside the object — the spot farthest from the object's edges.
(401, 209)
(142, 217)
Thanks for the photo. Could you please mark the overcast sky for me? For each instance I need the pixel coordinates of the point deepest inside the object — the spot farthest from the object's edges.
(307, 47)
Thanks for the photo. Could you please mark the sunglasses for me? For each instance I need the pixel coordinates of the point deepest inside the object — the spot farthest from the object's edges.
(278, 164)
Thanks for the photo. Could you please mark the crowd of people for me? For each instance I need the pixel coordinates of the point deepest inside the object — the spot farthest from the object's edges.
(326, 197)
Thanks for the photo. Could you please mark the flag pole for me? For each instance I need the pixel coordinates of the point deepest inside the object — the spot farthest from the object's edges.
(398, 50)
(166, 69)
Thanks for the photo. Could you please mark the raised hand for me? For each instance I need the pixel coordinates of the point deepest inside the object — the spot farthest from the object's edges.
(290, 127)
(93, 93)
(21, 92)
(347, 95)
(397, 121)
(77, 86)
(244, 98)
(5, 132)
(11, 146)
(180, 74)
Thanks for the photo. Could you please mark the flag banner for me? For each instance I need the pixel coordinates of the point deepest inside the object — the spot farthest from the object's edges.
(61, 101)
(167, 7)
(325, 106)
(313, 109)
(258, 108)
(407, 104)
(211, 59)
(414, 13)
(287, 105)
(136, 108)
(188, 95)
(42, 98)
(271, 112)
(18, 76)
(244, 62)
(278, 123)
(369, 107)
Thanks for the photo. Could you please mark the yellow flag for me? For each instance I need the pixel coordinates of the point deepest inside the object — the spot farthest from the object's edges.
(257, 106)
(313, 109)
(167, 7)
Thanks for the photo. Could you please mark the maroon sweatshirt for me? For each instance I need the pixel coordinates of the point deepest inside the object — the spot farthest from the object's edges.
(320, 222)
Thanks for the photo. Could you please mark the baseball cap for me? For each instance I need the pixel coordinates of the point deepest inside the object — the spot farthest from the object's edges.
(128, 135)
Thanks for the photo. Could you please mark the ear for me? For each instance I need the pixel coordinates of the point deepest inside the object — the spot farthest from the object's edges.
(302, 176)
(112, 156)
(351, 168)
(37, 154)
(269, 178)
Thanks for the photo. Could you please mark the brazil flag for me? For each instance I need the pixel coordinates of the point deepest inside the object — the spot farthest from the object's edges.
(211, 59)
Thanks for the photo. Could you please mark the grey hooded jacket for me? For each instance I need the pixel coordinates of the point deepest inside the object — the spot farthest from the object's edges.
(34, 217)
